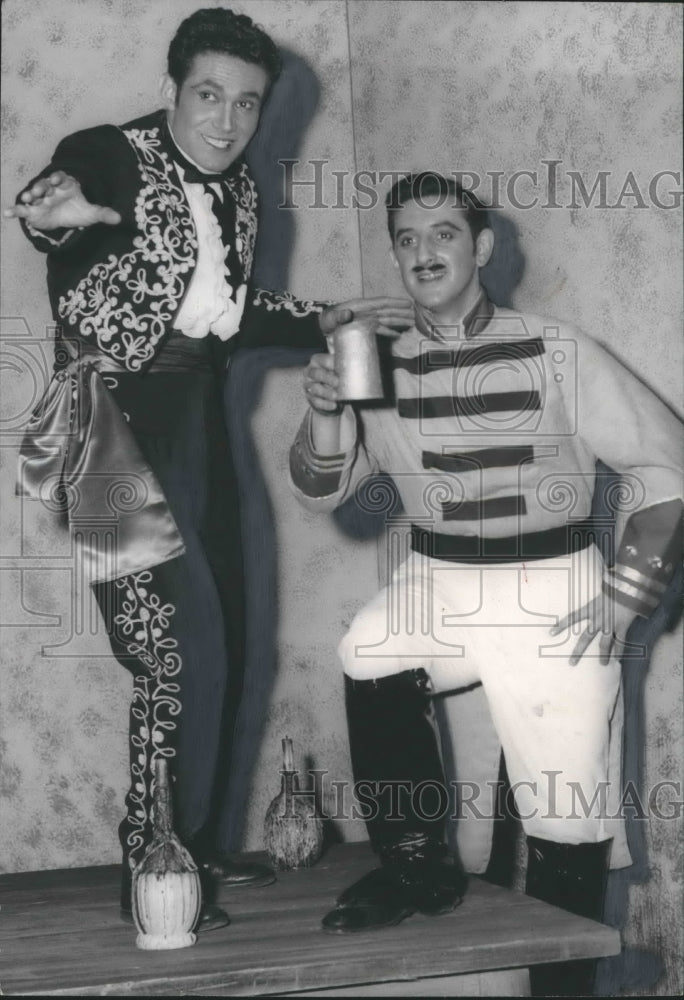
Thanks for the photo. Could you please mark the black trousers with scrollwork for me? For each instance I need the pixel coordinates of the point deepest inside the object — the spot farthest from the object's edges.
(179, 628)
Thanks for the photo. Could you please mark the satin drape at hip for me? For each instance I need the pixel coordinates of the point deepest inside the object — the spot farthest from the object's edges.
(81, 460)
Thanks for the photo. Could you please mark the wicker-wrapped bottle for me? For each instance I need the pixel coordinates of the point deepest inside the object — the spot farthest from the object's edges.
(166, 892)
(293, 828)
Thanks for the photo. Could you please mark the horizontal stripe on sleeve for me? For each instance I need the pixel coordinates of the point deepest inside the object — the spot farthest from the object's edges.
(315, 475)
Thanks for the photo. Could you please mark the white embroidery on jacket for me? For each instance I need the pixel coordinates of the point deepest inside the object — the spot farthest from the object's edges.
(246, 199)
(128, 301)
(277, 301)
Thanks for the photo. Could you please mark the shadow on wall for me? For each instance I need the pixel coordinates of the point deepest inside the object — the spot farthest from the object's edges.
(504, 272)
(243, 392)
(288, 112)
(285, 118)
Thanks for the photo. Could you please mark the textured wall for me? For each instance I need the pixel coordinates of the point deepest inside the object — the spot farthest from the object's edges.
(500, 87)
(63, 711)
(479, 87)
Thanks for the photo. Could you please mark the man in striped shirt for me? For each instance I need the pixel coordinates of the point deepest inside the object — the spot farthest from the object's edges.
(491, 435)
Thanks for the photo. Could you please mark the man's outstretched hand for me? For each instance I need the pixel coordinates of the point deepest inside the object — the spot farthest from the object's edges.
(391, 316)
(57, 202)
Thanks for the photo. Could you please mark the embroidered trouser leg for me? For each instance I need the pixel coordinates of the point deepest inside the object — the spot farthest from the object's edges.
(178, 424)
(178, 688)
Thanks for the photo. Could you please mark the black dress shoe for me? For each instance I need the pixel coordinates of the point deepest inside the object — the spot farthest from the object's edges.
(219, 866)
(375, 901)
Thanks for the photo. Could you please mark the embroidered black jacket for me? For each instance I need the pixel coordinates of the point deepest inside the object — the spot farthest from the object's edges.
(119, 288)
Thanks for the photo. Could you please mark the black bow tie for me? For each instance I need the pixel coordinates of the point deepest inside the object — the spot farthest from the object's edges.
(193, 174)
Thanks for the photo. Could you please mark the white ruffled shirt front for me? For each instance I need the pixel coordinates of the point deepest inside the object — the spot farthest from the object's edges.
(208, 306)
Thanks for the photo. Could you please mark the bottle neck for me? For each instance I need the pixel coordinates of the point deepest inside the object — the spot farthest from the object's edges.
(163, 814)
(290, 781)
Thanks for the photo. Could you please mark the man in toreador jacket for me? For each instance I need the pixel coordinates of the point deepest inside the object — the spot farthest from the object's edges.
(149, 230)
(491, 435)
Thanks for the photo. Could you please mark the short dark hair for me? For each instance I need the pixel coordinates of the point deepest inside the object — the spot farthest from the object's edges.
(430, 185)
(221, 30)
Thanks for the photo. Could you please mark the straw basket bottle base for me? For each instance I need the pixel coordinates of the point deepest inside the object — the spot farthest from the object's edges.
(160, 942)
(166, 894)
(166, 908)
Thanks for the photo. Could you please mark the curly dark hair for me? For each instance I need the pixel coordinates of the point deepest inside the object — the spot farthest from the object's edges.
(430, 185)
(221, 30)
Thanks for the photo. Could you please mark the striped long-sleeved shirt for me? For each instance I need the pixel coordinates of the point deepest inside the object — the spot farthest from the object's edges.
(494, 431)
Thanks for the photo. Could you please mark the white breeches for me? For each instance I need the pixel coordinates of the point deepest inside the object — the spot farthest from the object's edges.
(469, 623)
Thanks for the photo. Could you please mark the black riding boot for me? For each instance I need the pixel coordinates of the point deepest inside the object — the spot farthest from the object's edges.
(573, 877)
(400, 782)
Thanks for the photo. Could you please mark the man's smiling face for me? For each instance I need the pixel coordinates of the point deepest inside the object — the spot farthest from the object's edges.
(215, 111)
(438, 258)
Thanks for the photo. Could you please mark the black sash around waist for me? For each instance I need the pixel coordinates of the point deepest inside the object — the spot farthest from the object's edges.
(512, 548)
(180, 354)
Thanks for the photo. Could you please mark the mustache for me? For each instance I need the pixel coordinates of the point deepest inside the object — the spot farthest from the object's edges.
(423, 268)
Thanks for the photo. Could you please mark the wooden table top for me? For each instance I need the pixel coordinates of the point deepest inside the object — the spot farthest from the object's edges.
(61, 934)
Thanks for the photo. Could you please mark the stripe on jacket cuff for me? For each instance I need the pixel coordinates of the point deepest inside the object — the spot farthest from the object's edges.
(638, 579)
(315, 475)
(631, 597)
